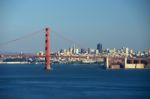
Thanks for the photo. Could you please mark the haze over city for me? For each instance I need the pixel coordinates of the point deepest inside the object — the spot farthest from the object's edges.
(114, 23)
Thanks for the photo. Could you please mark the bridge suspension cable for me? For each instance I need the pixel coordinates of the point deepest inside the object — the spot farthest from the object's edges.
(29, 35)
(20, 38)
(66, 38)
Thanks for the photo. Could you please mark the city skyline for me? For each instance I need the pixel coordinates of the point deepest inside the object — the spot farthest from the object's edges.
(114, 24)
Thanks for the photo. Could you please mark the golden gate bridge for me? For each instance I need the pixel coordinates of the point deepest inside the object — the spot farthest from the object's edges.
(47, 54)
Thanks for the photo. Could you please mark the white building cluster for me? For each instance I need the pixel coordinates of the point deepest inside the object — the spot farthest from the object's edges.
(124, 51)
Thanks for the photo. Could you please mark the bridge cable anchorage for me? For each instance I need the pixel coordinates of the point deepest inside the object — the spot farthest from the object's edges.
(20, 38)
(66, 38)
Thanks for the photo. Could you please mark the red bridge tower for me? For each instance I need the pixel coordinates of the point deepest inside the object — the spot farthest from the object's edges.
(47, 50)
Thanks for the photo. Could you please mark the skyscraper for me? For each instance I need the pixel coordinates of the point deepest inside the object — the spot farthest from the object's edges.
(99, 47)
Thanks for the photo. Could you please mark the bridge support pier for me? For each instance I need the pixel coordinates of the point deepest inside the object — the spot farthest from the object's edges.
(107, 62)
(47, 50)
(125, 62)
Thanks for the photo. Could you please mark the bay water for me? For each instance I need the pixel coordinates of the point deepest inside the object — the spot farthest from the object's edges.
(72, 81)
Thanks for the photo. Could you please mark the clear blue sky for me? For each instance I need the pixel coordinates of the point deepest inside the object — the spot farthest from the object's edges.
(114, 23)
